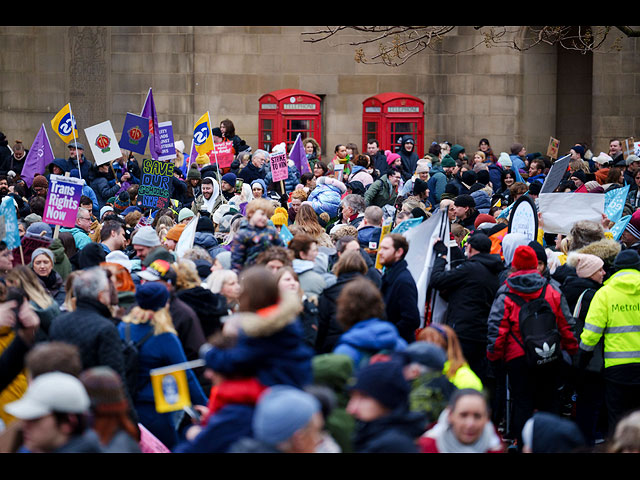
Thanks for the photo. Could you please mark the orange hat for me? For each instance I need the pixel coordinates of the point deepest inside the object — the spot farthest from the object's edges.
(175, 232)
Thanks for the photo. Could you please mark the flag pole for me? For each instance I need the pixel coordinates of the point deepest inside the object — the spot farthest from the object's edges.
(75, 140)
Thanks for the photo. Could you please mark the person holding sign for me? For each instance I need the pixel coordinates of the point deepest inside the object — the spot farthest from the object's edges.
(163, 348)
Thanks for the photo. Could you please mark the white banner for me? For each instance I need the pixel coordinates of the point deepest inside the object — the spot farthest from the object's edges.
(103, 142)
(561, 210)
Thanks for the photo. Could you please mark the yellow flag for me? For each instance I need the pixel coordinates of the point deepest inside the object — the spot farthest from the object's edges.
(202, 138)
(64, 124)
(385, 230)
(171, 391)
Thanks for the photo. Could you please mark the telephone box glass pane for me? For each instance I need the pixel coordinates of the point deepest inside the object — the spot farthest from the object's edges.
(371, 131)
(399, 129)
(304, 127)
(266, 134)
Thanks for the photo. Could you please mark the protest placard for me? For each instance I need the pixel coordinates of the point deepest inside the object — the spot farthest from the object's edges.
(170, 386)
(524, 218)
(154, 188)
(103, 142)
(167, 145)
(279, 168)
(552, 149)
(28, 245)
(135, 133)
(555, 175)
(561, 210)
(63, 201)
(9, 232)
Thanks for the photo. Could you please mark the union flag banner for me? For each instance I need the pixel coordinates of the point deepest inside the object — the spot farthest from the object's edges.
(64, 124)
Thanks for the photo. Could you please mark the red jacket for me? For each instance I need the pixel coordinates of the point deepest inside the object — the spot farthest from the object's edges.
(504, 315)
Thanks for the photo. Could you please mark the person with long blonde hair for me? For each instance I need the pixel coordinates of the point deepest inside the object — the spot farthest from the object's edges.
(456, 367)
(149, 322)
(42, 303)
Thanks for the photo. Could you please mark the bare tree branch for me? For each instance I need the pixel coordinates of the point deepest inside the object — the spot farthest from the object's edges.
(395, 45)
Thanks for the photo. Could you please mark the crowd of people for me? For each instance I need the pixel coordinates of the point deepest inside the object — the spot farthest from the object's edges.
(296, 310)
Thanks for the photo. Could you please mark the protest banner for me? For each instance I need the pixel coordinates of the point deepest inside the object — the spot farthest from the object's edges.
(103, 142)
(407, 224)
(619, 227)
(149, 112)
(154, 188)
(9, 232)
(170, 386)
(40, 155)
(384, 231)
(299, 157)
(628, 147)
(188, 235)
(167, 144)
(614, 202)
(560, 211)
(524, 218)
(64, 124)
(279, 170)
(420, 259)
(285, 234)
(135, 133)
(552, 149)
(555, 175)
(28, 244)
(202, 138)
(223, 153)
(63, 201)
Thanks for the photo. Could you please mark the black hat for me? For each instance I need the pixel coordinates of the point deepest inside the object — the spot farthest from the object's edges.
(540, 252)
(469, 177)
(580, 175)
(480, 242)
(385, 382)
(464, 200)
(419, 186)
(627, 259)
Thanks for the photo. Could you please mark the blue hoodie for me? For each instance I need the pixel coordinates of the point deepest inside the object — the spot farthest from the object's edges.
(369, 337)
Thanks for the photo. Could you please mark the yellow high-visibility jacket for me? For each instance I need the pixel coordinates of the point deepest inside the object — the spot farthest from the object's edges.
(615, 313)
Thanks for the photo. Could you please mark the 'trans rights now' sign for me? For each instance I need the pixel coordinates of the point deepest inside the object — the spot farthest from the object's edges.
(63, 200)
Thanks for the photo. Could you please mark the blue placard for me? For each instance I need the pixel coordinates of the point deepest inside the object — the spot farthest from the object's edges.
(135, 133)
(10, 221)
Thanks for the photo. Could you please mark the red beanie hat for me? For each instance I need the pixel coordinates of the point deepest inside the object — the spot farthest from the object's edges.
(524, 258)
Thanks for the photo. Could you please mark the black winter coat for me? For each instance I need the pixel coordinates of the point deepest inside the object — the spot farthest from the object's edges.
(396, 432)
(400, 296)
(470, 289)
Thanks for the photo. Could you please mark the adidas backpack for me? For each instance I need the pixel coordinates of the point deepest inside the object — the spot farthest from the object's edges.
(538, 329)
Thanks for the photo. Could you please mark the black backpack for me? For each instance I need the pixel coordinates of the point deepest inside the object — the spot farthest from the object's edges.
(130, 352)
(539, 330)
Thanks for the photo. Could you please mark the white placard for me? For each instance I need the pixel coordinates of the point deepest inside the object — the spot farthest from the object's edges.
(561, 210)
(103, 142)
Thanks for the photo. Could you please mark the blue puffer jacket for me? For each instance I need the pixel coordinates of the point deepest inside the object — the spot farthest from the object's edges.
(367, 338)
(326, 196)
(483, 201)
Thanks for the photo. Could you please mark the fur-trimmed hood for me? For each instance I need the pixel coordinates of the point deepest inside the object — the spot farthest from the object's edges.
(606, 249)
(270, 320)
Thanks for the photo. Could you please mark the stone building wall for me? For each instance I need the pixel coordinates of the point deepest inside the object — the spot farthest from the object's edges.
(506, 96)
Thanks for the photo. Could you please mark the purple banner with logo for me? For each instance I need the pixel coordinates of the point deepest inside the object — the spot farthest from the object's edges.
(135, 133)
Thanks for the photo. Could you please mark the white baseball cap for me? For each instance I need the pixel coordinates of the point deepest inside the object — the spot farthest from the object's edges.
(48, 393)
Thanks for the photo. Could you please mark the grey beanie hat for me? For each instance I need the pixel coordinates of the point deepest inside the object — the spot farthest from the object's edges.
(146, 237)
(281, 411)
(45, 251)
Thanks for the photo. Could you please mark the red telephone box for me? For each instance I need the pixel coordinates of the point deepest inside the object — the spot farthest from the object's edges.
(285, 113)
(387, 117)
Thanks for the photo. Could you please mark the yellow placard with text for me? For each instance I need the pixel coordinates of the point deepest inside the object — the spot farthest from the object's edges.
(171, 391)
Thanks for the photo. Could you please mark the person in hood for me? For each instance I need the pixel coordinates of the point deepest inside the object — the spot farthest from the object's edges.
(530, 388)
(104, 184)
(545, 432)
(409, 155)
(469, 288)
(463, 427)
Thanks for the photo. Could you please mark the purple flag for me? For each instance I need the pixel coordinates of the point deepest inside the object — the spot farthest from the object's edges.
(299, 157)
(149, 111)
(40, 155)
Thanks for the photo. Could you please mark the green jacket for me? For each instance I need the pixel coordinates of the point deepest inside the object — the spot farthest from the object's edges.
(381, 193)
(614, 313)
